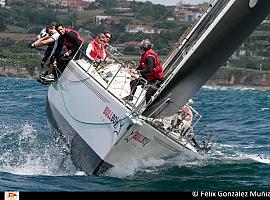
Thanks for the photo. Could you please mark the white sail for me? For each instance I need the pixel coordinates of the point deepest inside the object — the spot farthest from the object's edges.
(210, 42)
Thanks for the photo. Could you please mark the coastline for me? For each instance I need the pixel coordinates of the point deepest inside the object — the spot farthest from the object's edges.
(238, 77)
(16, 72)
(224, 77)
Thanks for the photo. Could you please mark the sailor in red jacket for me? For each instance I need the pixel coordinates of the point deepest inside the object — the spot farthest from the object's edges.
(150, 69)
(72, 41)
(95, 50)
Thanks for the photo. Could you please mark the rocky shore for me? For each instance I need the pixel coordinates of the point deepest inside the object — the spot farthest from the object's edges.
(233, 77)
(225, 76)
(16, 72)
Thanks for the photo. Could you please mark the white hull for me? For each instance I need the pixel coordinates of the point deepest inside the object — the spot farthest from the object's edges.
(97, 126)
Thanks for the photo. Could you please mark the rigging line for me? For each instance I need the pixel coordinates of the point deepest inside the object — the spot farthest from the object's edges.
(141, 9)
(84, 122)
(134, 18)
(143, 33)
(163, 49)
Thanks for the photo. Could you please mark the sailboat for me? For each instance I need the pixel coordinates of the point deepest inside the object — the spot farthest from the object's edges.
(85, 107)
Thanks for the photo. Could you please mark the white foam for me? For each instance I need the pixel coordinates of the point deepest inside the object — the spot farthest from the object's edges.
(241, 88)
(130, 168)
(28, 133)
(80, 173)
(263, 109)
(257, 158)
(25, 153)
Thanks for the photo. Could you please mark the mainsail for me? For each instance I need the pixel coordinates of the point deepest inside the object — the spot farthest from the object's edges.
(203, 49)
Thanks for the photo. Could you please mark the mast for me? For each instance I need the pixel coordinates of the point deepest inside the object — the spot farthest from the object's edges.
(203, 50)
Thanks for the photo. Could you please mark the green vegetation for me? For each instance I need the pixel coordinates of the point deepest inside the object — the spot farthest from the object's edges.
(15, 55)
(30, 17)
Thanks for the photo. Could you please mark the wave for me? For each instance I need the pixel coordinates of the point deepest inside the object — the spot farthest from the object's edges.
(237, 88)
(134, 166)
(25, 151)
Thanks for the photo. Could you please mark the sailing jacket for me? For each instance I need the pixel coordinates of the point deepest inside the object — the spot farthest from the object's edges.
(71, 39)
(95, 50)
(152, 74)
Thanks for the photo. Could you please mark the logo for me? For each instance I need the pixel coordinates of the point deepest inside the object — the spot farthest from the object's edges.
(110, 115)
(136, 136)
(11, 195)
(115, 120)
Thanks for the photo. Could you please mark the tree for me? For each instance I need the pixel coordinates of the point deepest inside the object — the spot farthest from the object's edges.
(4, 19)
(109, 3)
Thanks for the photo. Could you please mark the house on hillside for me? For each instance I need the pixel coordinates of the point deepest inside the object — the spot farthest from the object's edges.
(100, 18)
(186, 15)
(188, 12)
(123, 7)
(181, 5)
(170, 19)
(71, 4)
(135, 28)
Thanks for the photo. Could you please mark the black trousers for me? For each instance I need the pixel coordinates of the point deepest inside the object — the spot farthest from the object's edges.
(63, 61)
(154, 85)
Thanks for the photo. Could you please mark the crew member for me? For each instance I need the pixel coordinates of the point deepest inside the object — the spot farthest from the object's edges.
(150, 69)
(95, 49)
(72, 41)
(49, 40)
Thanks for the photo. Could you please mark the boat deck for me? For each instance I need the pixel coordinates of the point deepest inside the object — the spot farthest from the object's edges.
(115, 78)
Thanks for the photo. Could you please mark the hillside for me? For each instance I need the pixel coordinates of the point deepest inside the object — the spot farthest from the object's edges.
(20, 23)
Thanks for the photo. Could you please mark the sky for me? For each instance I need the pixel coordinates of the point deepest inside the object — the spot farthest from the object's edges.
(174, 2)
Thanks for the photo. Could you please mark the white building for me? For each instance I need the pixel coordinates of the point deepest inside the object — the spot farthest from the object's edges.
(2, 3)
(99, 18)
(186, 15)
(134, 28)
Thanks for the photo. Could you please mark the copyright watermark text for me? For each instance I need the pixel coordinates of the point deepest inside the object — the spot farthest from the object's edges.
(230, 194)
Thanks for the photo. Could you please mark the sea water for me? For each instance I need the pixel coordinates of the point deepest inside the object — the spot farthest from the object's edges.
(32, 159)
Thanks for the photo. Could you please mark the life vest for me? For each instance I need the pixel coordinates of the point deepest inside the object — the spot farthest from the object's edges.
(157, 72)
(96, 52)
(187, 113)
(67, 43)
